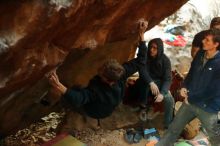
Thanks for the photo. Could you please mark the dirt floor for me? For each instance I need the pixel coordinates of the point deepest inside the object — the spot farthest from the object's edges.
(107, 138)
(122, 119)
(116, 137)
(45, 130)
(39, 133)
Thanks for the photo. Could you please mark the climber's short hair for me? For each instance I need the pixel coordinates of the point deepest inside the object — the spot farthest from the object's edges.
(215, 21)
(111, 70)
(215, 33)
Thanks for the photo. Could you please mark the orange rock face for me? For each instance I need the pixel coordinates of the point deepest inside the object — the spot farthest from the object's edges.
(35, 36)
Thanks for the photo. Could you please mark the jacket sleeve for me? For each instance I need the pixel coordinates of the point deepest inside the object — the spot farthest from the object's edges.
(167, 77)
(210, 92)
(136, 64)
(188, 78)
(213, 90)
(78, 97)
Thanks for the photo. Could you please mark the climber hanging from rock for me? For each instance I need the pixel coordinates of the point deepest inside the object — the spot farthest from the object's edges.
(106, 89)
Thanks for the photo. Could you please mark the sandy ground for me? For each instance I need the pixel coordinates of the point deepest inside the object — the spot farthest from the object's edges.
(108, 138)
(45, 130)
(39, 133)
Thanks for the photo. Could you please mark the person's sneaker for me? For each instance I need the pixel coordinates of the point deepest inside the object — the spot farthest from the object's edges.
(133, 136)
(129, 136)
(137, 137)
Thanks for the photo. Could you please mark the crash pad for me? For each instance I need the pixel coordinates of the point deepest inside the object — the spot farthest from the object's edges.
(64, 140)
(182, 144)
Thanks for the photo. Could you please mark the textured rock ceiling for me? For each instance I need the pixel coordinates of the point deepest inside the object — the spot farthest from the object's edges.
(36, 35)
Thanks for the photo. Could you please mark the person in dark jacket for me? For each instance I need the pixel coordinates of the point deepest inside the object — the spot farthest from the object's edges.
(198, 38)
(201, 92)
(105, 90)
(156, 80)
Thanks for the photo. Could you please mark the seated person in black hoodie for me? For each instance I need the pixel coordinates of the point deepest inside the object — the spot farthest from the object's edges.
(156, 80)
(105, 90)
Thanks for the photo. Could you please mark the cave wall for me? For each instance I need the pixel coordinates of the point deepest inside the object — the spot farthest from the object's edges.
(36, 35)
